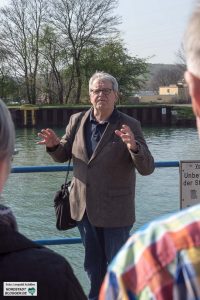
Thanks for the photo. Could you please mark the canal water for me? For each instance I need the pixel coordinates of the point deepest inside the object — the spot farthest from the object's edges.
(31, 195)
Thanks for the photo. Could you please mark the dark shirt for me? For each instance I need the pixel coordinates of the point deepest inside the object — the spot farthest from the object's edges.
(94, 131)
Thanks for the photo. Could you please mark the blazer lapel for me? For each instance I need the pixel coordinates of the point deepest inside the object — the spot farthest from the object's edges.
(81, 136)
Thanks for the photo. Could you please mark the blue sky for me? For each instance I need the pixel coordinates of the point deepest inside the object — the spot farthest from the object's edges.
(152, 27)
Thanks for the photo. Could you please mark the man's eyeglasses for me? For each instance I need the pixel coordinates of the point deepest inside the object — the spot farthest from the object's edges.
(104, 91)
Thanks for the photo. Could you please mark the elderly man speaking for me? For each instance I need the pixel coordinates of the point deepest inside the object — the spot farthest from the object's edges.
(107, 147)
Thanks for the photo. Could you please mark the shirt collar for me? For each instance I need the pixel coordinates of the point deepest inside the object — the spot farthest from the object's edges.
(93, 120)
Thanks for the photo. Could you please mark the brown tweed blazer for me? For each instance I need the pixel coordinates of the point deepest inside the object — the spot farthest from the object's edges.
(104, 185)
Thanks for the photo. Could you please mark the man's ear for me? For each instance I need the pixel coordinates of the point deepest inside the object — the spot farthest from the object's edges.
(194, 90)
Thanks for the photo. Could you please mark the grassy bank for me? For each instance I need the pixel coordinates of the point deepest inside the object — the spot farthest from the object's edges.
(183, 112)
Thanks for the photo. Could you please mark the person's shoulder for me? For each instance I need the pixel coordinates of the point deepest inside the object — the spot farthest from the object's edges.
(51, 271)
(32, 250)
(59, 275)
(155, 247)
(44, 262)
(78, 115)
(127, 119)
(184, 217)
(165, 231)
(171, 222)
(75, 117)
(47, 256)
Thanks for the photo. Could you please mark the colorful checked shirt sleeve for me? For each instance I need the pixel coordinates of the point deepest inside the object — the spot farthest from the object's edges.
(161, 261)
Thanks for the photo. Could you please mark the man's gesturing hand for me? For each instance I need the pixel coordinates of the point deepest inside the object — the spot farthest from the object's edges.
(127, 137)
(49, 138)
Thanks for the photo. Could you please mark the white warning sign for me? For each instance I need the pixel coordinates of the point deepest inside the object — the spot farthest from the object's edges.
(189, 183)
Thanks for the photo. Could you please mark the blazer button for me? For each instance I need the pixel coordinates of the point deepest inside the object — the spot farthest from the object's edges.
(87, 185)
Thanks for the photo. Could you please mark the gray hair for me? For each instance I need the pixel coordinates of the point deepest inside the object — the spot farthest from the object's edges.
(192, 42)
(7, 133)
(103, 76)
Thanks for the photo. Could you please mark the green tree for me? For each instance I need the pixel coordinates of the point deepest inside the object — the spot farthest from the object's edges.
(114, 59)
(53, 63)
(8, 85)
(20, 27)
(82, 24)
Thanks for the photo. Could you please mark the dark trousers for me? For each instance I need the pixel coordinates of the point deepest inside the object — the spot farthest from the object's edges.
(101, 245)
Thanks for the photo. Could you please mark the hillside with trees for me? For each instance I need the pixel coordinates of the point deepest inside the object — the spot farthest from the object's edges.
(163, 75)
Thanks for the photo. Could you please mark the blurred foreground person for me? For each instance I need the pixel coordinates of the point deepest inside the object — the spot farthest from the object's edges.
(162, 261)
(22, 260)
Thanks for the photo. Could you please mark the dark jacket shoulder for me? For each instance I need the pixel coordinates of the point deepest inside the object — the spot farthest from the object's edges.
(128, 119)
(25, 261)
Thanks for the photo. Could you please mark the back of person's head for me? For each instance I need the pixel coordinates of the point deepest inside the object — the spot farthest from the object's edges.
(192, 42)
(7, 133)
(192, 53)
(103, 76)
(7, 140)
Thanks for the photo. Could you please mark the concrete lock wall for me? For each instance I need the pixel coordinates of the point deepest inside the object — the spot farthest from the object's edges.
(48, 117)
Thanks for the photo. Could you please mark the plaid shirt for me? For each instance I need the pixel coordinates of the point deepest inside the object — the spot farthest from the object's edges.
(160, 261)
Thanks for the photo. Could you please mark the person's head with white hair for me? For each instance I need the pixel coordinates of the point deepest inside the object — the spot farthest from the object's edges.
(7, 140)
(192, 52)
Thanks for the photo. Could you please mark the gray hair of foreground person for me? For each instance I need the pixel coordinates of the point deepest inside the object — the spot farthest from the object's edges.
(192, 42)
(7, 140)
(7, 133)
(192, 53)
(103, 76)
